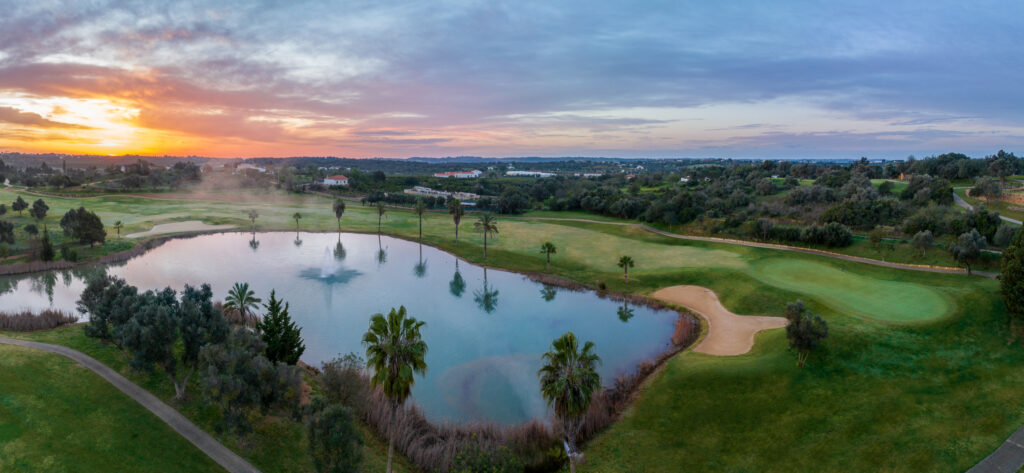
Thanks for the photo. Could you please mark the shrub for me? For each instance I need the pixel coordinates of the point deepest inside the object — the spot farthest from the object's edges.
(334, 441)
(69, 253)
(239, 379)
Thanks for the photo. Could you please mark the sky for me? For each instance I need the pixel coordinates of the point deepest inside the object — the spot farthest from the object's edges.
(741, 79)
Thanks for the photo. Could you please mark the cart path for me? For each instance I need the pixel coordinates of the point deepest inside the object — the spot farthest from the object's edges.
(1008, 458)
(210, 446)
(774, 246)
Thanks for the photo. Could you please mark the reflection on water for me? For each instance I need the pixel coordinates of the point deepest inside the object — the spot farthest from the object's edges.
(339, 250)
(420, 269)
(486, 298)
(457, 285)
(483, 356)
(624, 312)
(548, 292)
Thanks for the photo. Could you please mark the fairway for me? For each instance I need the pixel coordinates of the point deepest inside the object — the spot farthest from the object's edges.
(600, 250)
(850, 292)
(57, 416)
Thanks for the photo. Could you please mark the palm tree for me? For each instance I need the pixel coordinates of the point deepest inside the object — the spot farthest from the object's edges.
(456, 209)
(487, 224)
(380, 214)
(253, 215)
(242, 299)
(568, 381)
(418, 209)
(339, 210)
(625, 263)
(395, 351)
(117, 226)
(296, 216)
(548, 249)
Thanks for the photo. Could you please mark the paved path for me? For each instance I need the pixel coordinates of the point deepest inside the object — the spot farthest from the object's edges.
(219, 453)
(1008, 458)
(963, 203)
(773, 246)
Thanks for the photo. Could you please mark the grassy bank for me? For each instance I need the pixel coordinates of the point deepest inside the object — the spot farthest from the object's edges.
(880, 396)
(277, 444)
(58, 416)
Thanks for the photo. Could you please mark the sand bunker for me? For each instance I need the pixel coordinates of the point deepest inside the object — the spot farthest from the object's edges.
(178, 227)
(728, 334)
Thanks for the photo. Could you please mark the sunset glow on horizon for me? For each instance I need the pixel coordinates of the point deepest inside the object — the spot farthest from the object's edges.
(370, 79)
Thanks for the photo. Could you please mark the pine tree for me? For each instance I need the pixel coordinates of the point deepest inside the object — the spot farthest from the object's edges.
(279, 332)
(1012, 279)
(46, 253)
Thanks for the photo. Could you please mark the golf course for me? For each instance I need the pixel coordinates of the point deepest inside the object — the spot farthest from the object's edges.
(917, 374)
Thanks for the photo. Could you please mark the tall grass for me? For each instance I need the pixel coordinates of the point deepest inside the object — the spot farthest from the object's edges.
(26, 321)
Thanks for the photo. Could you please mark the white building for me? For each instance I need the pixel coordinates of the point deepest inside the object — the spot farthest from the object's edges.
(244, 166)
(336, 180)
(459, 174)
(428, 192)
(529, 174)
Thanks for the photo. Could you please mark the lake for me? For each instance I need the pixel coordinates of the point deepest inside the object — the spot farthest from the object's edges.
(486, 329)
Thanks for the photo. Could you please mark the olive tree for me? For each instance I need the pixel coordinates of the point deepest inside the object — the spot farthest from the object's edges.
(805, 331)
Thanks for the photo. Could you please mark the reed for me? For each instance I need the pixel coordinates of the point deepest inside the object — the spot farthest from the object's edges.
(26, 321)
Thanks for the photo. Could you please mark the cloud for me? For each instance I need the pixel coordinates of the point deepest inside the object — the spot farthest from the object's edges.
(17, 117)
(487, 77)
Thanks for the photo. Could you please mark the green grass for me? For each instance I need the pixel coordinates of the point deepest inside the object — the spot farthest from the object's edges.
(895, 301)
(57, 416)
(917, 374)
(277, 444)
(935, 396)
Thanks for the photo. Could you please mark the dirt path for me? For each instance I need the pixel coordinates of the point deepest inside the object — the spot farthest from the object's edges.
(209, 445)
(728, 334)
(179, 227)
(774, 246)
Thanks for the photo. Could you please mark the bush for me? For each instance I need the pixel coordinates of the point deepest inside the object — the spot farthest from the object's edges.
(342, 381)
(239, 379)
(69, 253)
(334, 441)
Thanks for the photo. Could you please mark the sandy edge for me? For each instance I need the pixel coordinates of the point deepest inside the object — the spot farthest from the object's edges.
(176, 227)
(728, 334)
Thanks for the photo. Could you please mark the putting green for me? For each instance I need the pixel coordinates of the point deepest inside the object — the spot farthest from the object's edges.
(852, 293)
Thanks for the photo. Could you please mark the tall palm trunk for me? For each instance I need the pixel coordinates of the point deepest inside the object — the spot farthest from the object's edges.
(626, 270)
(456, 235)
(547, 265)
(391, 440)
(485, 247)
(421, 227)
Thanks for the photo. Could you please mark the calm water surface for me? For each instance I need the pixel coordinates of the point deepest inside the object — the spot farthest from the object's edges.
(485, 335)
